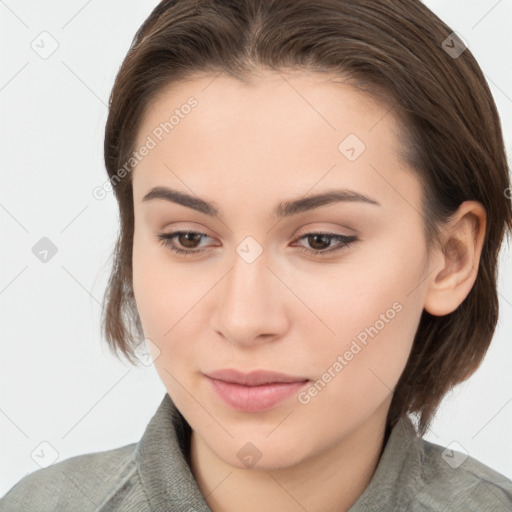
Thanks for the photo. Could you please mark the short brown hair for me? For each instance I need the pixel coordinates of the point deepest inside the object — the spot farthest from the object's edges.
(393, 50)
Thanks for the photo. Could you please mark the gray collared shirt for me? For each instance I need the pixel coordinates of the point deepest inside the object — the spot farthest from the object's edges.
(154, 475)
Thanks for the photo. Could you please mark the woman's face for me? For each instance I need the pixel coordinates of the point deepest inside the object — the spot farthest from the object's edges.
(260, 294)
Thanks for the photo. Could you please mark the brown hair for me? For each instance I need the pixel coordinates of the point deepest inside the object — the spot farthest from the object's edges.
(392, 50)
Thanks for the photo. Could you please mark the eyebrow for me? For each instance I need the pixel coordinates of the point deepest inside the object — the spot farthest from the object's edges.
(283, 209)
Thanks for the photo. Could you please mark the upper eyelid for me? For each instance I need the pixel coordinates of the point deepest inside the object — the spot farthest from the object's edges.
(296, 237)
(341, 243)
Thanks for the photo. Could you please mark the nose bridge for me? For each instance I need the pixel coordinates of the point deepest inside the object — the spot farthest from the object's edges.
(249, 306)
(248, 280)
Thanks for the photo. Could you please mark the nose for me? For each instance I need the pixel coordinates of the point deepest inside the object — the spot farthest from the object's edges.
(251, 303)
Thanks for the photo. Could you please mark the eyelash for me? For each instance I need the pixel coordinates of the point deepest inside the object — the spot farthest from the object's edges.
(344, 242)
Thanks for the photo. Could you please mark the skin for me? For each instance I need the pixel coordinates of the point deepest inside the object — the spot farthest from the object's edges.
(247, 148)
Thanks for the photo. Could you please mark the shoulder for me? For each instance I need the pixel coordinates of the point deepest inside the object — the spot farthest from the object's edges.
(452, 480)
(82, 482)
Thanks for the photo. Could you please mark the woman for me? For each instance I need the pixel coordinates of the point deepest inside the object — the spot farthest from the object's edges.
(313, 195)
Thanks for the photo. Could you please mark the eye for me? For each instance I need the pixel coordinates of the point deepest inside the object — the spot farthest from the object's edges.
(186, 239)
(189, 239)
(321, 239)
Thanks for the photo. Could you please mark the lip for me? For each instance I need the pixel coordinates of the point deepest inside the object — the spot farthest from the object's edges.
(256, 391)
(254, 378)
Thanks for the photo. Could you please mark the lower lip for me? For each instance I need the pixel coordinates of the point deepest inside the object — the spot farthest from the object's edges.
(254, 398)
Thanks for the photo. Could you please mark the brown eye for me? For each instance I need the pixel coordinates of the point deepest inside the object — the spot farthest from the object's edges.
(319, 241)
(186, 239)
(185, 242)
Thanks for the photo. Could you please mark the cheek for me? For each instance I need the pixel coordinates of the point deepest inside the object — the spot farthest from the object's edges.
(373, 308)
(154, 287)
(371, 283)
(154, 280)
(162, 306)
(169, 297)
(356, 371)
(146, 286)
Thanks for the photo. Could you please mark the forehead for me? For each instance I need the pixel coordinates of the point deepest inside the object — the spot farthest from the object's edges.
(284, 132)
(270, 99)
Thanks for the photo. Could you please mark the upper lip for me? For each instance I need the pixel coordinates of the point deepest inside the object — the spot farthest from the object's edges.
(254, 378)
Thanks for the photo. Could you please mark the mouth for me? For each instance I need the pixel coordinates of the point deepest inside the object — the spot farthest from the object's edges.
(254, 378)
(254, 392)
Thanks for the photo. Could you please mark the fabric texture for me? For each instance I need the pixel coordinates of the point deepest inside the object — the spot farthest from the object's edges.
(154, 475)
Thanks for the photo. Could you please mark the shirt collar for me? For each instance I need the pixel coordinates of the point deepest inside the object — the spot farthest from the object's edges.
(162, 457)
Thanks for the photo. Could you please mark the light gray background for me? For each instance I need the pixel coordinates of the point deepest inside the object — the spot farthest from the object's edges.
(59, 383)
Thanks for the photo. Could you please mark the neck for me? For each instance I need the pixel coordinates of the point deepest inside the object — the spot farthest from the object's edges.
(330, 480)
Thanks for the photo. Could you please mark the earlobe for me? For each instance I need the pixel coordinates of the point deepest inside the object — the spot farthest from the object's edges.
(458, 261)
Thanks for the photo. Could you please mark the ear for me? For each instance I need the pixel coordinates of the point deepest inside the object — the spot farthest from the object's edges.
(459, 257)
